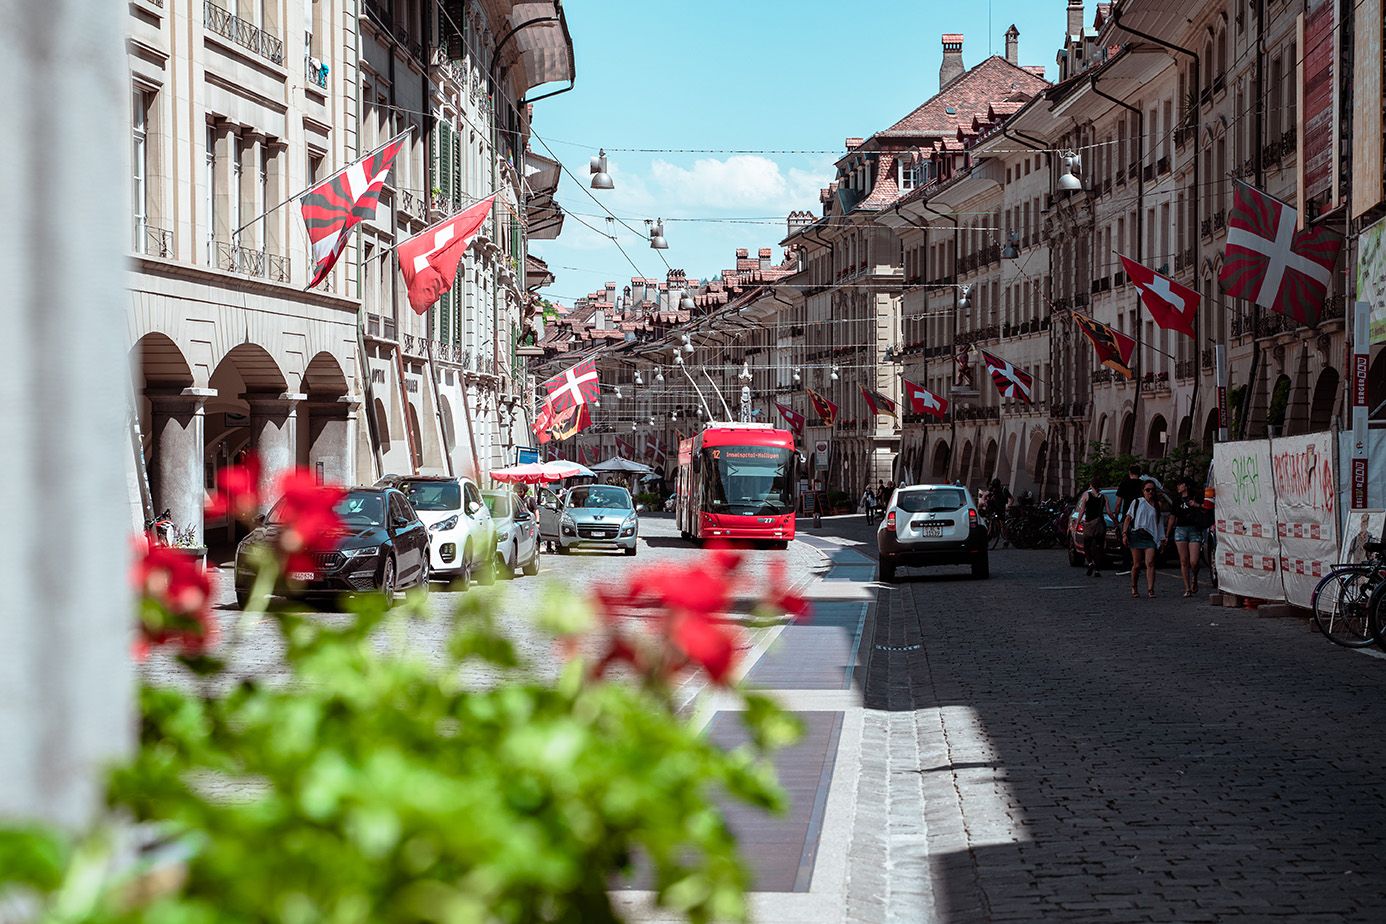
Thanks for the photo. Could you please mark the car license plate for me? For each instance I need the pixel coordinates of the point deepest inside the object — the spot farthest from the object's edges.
(931, 532)
(606, 534)
(301, 575)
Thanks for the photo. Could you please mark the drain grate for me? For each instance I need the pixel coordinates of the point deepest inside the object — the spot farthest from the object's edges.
(898, 647)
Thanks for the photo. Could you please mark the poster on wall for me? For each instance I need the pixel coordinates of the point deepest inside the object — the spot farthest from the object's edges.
(1248, 547)
(1306, 512)
(1371, 276)
(1363, 526)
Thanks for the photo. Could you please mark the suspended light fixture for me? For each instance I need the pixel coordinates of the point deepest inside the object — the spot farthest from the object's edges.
(745, 394)
(596, 402)
(745, 371)
(686, 304)
(600, 178)
(652, 423)
(659, 374)
(796, 373)
(1072, 164)
(618, 392)
(834, 375)
(965, 296)
(638, 380)
(1012, 249)
(656, 231)
(633, 425)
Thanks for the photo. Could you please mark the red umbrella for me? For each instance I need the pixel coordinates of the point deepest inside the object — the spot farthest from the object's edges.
(540, 473)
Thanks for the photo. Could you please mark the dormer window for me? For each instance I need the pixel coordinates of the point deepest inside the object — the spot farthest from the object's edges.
(909, 175)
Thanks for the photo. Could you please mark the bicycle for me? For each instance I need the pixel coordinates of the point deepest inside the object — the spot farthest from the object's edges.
(1347, 602)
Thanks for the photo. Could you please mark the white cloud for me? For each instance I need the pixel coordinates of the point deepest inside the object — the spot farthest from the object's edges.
(744, 183)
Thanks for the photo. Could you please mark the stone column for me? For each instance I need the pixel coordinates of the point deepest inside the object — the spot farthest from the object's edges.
(176, 474)
(66, 679)
(331, 437)
(273, 419)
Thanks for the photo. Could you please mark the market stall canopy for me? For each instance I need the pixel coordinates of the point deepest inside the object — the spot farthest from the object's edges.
(626, 466)
(540, 472)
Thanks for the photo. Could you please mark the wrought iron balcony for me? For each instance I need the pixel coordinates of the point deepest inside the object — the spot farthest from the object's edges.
(1207, 358)
(154, 242)
(1206, 227)
(1184, 369)
(247, 35)
(1219, 219)
(233, 258)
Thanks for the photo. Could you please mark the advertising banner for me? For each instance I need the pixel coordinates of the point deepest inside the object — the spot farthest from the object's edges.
(1248, 544)
(1371, 276)
(1306, 512)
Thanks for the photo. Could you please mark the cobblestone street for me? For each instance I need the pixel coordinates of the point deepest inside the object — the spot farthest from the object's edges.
(1037, 745)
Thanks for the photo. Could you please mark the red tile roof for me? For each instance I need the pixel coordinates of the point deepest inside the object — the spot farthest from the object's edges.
(994, 79)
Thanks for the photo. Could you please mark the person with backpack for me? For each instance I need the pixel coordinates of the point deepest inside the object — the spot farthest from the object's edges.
(1092, 508)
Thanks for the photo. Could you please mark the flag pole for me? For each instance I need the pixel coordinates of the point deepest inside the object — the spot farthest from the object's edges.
(269, 212)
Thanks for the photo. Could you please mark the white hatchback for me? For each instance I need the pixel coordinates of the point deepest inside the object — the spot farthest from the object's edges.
(461, 538)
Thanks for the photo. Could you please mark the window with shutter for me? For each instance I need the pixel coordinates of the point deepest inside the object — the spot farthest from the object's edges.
(445, 171)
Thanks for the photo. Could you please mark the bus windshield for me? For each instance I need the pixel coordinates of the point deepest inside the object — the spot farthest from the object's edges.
(749, 480)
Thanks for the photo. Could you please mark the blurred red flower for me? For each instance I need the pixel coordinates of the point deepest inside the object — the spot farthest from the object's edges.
(307, 518)
(238, 491)
(706, 641)
(180, 590)
(782, 598)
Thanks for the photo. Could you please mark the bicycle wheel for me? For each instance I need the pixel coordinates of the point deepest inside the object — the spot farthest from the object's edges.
(994, 532)
(1340, 604)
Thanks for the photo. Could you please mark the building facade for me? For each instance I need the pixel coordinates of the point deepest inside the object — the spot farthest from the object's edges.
(231, 118)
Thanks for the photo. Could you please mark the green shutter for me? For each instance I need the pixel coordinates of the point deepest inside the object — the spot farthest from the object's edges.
(457, 165)
(444, 316)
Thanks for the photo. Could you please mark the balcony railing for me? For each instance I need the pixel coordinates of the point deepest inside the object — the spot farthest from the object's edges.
(247, 35)
(316, 71)
(1207, 358)
(1219, 219)
(1185, 369)
(233, 258)
(151, 241)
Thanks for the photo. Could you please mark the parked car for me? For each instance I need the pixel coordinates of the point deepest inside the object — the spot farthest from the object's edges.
(1114, 548)
(462, 541)
(932, 524)
(517, 532)
(595, 515)
(385, 548)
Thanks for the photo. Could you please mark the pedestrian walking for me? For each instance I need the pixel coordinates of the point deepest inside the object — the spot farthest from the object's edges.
(868, 503)
(1093, 507)
(1144, 534)
(1190, 524)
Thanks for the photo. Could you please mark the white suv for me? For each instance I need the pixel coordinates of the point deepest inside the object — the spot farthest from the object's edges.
(461, 539)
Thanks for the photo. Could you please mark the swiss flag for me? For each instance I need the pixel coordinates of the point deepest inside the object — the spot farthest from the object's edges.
(791, 417)
(542, 421)
(1271, 263)
(1171, 305)
(429, 259)
(923, 401)
(625, 450)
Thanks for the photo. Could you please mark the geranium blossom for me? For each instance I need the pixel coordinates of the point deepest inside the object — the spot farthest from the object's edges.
(238, 491)
(306, 517)
(180, 591)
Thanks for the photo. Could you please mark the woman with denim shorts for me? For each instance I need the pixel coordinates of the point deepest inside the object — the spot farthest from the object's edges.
(1144, 531)
(1189, 528)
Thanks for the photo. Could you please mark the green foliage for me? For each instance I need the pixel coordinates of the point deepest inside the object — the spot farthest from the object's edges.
(650, 499)
(1280, 400)
(1108, 468)
(381, 782)
(839, 498)
(1235, 396)
(1187, 460)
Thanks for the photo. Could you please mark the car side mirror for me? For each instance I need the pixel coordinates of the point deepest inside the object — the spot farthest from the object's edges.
(639, 507)
(401, 521)
(472, 508)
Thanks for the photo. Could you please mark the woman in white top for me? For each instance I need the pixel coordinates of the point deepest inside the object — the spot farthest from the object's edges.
(1144, 531)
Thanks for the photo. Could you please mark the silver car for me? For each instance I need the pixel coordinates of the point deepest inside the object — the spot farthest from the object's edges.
(590, 516)
(932, 524)
(517, 532)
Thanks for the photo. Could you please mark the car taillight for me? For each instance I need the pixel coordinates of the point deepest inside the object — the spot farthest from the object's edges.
(971, 517)
(890, 520)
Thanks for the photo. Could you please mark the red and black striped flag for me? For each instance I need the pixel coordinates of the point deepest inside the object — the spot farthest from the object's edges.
(1113, 349)
(825, 408)
(1010, 381)
(339, 203)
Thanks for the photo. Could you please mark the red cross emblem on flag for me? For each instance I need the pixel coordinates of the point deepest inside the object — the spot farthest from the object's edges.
(923, 401)
(577, 385)
(1271, 263)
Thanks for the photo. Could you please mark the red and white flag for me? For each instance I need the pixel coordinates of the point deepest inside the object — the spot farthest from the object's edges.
(542, 422)
(1271, 263)
(342, 201)
(429, 259)
(791, 417)
(876, 402)
(1010, 381)
(625, 450)
(923, 401)
(574, 386)
(1171, 305)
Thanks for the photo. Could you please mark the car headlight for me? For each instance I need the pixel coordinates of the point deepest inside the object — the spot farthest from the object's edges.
(629, 523)
(360, 553)
(449, 523)
(568, 521)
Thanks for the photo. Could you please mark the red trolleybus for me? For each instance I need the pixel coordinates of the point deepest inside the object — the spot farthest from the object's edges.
(737, 481)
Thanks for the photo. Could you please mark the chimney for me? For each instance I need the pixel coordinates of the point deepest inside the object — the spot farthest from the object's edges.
(1013, 45)
(764, 258)
(1075, 17)
(799, 220)
(952, 67)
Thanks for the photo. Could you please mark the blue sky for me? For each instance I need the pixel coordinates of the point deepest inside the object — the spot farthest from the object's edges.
(721, 77)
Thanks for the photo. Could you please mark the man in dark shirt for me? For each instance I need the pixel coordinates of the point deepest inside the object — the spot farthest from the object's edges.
(1129, 489)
